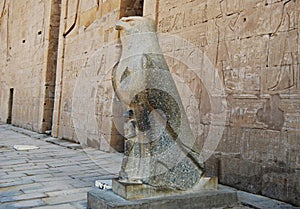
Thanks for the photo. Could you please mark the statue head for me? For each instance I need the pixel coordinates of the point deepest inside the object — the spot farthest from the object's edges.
(135, 24)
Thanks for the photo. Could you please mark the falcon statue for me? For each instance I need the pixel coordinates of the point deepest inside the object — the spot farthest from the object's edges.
(143, 83)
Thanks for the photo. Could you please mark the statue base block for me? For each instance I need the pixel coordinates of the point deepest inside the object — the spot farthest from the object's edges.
(132, 191)
(107, 199)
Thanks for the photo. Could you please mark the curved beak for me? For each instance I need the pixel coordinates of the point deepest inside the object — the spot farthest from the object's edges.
(119, 25)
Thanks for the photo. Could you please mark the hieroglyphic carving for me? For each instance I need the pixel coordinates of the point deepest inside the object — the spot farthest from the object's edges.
(271, 114)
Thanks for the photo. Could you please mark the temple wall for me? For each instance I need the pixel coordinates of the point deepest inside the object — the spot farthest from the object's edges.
(88, 51)
(85, 27)
(253, 49)
(236, 64)
(27, 62)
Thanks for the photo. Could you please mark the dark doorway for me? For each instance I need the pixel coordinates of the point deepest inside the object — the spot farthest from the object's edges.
(132, 8)
(10, 105)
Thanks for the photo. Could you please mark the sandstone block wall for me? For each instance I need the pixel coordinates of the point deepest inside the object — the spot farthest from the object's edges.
(88, 51)
(27, 62)
(254, 48)
(85, 27)
(235, 63)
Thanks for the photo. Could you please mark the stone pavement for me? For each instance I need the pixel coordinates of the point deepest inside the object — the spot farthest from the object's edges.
(52, 176)
(59, 173)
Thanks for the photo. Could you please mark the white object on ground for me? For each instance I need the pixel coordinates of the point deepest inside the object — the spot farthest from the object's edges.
(103, 184)
(25, 147)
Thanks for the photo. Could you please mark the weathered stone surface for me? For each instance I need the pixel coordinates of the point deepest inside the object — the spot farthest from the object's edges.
(256, 201)
(212, 199)
(59, 183)
(28, 44)
(131, 191)
(250, 44)
(253, 46)
(143, 83)
(50, 176)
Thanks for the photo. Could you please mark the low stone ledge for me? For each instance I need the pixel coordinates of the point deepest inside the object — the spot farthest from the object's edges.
(107, 199)
(131, 191)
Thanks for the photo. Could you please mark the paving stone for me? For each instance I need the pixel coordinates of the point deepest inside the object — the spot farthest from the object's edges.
(12, 162)
(25, 204)
(61, 177)
(10, 193)
(59, 164)
(6, 170)
(25, 167)
(81, 184)
(49, 187)
(65, 185)
(22, 197)
(21, 187)
(69, 191)
(66, 198)
(8, 180)
(89, 174)
(79, 204)
(257, 201)
(13, 175)
(17, 182)
(57, 206)
(40, 171)
(64, 143)
(39, 178)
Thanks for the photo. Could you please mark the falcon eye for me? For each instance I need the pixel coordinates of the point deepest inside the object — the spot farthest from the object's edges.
(128, 20)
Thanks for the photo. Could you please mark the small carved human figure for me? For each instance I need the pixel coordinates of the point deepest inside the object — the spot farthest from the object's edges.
(130, 165)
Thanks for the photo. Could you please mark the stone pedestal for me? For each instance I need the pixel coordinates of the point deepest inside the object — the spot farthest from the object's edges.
(145, 197)
(131, 191)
